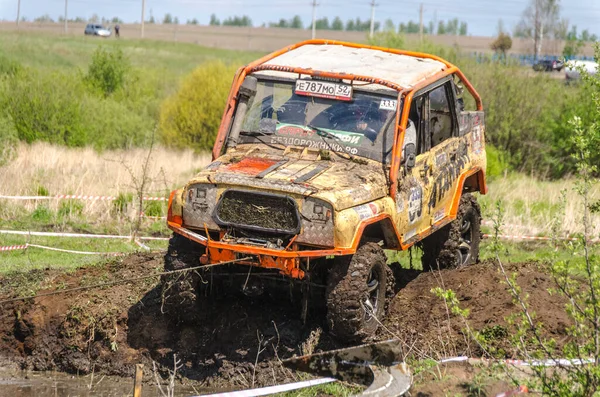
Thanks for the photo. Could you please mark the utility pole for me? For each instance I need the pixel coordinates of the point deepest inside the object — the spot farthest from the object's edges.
(18, 13)
(421, 22)
(314, 18)
(66, 17)
(143, 16)
(372, 18)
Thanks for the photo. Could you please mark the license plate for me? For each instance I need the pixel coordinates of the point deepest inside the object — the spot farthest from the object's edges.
(323, 89)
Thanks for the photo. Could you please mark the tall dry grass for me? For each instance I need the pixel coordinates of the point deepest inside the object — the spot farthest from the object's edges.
(61, 170)
(531, 206)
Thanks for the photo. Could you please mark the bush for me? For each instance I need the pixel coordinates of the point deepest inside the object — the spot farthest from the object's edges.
(46, 107)
(108, 70)
(190, 118)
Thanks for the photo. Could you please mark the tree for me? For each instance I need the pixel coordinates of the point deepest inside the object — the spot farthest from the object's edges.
(114, 20)
(94, 18)
(350, 25)
(192, 21)
(441, 28)
(389, 25)
(539, 18)
(238, 21)
(462, 30)
(337, 24)
(502, 44)
(296, 22)
(214, 21)
(176, 21)
(168, 19)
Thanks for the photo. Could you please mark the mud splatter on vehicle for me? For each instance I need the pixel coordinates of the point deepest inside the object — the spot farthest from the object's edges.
(327, 154)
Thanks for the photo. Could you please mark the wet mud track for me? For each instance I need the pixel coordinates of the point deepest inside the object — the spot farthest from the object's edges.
(235, 341)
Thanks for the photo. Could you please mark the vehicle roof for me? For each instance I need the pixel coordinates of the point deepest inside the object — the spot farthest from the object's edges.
(401, 69)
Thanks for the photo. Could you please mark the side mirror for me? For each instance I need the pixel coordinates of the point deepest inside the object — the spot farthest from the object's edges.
(410, 155)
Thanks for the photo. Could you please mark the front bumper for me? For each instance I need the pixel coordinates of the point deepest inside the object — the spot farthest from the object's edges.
(287, 261)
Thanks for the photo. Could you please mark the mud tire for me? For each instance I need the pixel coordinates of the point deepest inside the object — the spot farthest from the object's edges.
(447, 247)
(180, 290)
(348, 291)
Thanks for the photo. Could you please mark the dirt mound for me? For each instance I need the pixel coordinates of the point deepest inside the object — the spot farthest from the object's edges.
(423, 320)
(234, 341)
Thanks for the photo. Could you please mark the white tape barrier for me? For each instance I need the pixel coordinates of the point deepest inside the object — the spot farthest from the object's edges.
(538, 238)
(523, 363)
(265, 391)
(78, 235)
(22, 247)
(76, 197)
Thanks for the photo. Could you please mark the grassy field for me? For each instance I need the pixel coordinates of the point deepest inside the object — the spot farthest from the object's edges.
(40, 50)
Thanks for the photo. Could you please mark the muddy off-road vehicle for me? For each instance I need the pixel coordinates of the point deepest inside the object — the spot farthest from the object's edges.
(328, 154)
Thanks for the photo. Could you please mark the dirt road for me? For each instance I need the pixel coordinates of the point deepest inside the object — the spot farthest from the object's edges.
(111, 329)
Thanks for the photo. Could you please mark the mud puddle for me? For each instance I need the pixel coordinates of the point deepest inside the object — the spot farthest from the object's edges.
(233, 341)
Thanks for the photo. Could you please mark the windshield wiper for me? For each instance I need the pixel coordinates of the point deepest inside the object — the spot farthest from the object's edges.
(257, 135)
(326, 134)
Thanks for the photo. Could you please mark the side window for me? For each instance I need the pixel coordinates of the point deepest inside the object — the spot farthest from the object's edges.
(441, 119)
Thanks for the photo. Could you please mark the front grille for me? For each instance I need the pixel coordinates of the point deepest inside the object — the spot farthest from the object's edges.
(259, 212)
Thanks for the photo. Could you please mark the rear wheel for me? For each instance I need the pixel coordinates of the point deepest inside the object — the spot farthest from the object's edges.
(358, 290)
(456, 244)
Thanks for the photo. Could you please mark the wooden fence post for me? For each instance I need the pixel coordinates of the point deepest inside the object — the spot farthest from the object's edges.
(137, 383)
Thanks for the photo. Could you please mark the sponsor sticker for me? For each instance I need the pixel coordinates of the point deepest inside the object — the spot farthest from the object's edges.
(439, 215)
(415, 204)
(366, 211)
(410, 234)
(388, 104)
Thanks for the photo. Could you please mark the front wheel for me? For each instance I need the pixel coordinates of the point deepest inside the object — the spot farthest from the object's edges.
(358, 289)
(180, 289)
(456, 244)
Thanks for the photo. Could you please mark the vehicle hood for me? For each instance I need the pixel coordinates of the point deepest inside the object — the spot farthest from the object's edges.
(103, 32)
(344, 183)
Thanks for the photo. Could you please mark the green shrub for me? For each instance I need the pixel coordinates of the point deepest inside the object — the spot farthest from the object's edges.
(8, 140)
(496, 162)
(121, 203)
(42, 214)
(154, 208)
(8, 66)
(191, 117)
(46, 107)
(108, 70)
(69, 208)
(42, 191)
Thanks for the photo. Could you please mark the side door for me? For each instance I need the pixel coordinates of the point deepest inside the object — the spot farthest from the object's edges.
(425, 189)
(413, 182)
(448, 155)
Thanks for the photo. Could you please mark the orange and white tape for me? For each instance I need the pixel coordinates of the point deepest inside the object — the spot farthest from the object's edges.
(75, 197)
(13, 248)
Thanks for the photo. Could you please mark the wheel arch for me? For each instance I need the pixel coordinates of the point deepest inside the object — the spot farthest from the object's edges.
(376, 229)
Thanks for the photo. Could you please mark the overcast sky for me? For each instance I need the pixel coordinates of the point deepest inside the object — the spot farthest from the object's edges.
(481, 15)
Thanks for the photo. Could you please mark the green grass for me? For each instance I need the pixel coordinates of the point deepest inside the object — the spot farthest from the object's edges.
(510, 252)
(59, 52)
(35, 258)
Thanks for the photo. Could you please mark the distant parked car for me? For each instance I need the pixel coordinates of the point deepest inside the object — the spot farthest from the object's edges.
(97, 30)
(572, 69)
(548, 65)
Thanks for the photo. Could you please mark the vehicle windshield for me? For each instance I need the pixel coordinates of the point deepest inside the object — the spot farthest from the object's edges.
(359, 123)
